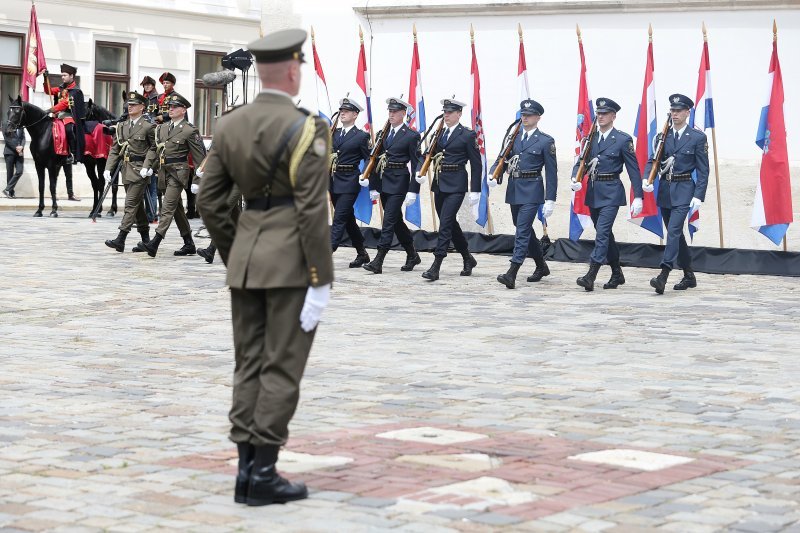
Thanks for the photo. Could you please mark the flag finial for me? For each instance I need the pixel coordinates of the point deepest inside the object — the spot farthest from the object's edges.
(578, 31)
(519, 31)
(705, 33)
(414, 27)
(313, 37)
(774, 31)
(471, 34)
(650, 33)
(361, 34)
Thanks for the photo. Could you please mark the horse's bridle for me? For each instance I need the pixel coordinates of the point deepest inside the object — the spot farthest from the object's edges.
(22, 114)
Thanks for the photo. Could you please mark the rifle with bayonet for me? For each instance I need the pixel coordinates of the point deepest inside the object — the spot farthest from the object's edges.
(658, 151)
(500, 163)
(586, 150)
(375, 153)
(434, 143)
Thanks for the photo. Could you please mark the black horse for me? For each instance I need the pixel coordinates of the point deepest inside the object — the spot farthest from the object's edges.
(40, 127)
(95, 116)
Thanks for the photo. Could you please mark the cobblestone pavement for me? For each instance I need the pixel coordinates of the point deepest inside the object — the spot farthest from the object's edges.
(453, 406)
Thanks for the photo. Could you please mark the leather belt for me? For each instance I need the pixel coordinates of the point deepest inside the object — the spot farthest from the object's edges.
(171, 160)
(606, 177)
(451, 168)
(526, 174)
(265, 203)
(396, 165)
(135, 158)
(346, 168)
(679, 177)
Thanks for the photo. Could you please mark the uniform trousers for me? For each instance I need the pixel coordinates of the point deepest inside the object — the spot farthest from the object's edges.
(344, 219)
(134, 206)
(525, 242)
(447, 206)
(605, 246)
(393, 222)
(172, 207)
(676, 247)
(271, 353)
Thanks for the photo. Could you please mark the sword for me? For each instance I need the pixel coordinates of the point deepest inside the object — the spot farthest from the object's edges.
(114, 176)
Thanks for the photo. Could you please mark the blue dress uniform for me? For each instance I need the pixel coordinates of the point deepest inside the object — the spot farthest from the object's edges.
(605, 194)
(393, 180)
(685, 152)
(458, 146)
(350, 149)
(533, 153)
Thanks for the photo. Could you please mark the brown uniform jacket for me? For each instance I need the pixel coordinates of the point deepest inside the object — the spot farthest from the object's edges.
(184, 139)
(287, 245)
(140, 143)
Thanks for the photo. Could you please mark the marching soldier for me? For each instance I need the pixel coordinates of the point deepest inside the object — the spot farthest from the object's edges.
(350, 148)
(175, 141)
(149, 92)
(70, 108)
(167, 80)
(279, 259)
(685, 152)
(458, 146)
(533, 152)
(134, 142)
(605, 193)
(393, 184)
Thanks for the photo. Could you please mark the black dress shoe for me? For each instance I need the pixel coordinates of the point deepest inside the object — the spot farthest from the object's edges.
(7, 194)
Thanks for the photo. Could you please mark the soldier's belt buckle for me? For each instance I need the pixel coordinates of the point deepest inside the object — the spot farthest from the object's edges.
(515, 174)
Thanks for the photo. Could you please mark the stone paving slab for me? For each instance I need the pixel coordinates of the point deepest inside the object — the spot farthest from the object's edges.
(116, 372)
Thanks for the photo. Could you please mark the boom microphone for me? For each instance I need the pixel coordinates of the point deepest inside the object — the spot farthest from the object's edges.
(218, 79)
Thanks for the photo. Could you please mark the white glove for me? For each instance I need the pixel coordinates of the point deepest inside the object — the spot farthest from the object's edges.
(411, 197)
(374, 195)
(547, 210)
(195, 188)
(492, 183)
(636, 207)
(316, 301)
(198, 173)
(647, 187)
(695, 204)
(576, 186)
(421, 178)
(144, 172)
(107, 176)
(149, 171)
(474, 198)
(363, 182)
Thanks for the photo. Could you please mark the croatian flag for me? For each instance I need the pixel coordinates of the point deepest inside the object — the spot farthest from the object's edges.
(323, 98)
(701, 118)
(579, 214)
(363, 205)
(645, 131)
(481, 209)
(772, 208)
(416, 121)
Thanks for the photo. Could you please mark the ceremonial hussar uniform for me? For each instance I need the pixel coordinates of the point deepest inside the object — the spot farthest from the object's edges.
(531, 160)
(605, 194)
(685, 153)
(163, 98)
(455, 147)
(150, 112)
(174, 142)
(71, 108)
(350, 147)
(392, 180)
(152, 97)
(278, 256)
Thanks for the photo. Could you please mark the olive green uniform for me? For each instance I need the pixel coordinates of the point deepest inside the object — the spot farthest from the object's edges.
(279, 247)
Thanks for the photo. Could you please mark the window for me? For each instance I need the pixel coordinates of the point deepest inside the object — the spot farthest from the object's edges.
(112, 75)
(12, 49)
(208, 102)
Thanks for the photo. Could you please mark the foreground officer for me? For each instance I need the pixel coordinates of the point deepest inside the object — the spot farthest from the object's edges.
(533, 152)
(610, 150)
(134, 142)
(685, 151)
(175, 140)
(457, 146)
(350, 149)
(280, 266)
(392, 180)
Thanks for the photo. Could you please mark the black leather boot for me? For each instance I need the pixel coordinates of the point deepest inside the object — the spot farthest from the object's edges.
(208, 253)
(151, 247)
(247, 455)
(688, 281)
(145, 233)
(119, 243)
(266, 485)
(541, 271)
(469, 264)
(509, 278)
(660, 281)
(376, 265)
(617, 278)
(412, 259)
(433, 272)
(587, 281)
(188, 247)
(361, 259)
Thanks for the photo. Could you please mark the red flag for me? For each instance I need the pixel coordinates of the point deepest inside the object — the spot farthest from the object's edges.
(481, 209)
(35, 63)
(363, 82)
(580, 216)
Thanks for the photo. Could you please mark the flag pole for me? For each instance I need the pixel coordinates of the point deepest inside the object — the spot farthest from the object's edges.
(488, 205)
(716, 166)
(430, 187)
(650, 41)
(366, 95)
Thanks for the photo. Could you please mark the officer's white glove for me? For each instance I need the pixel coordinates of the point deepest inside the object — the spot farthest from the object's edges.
(474, 198)
(636, 207)
(492, 183)
(315, 302)
(576, 186)
(648, 187)
(149, 171)
(411, 197)
(198, 173)
(195, 188)
(547, 210)
(695, 204)
(107, 176)
(144, 172)
(374, 195)
(421, 178)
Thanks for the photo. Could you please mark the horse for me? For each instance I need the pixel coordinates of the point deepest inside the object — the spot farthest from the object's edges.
(95, 157)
